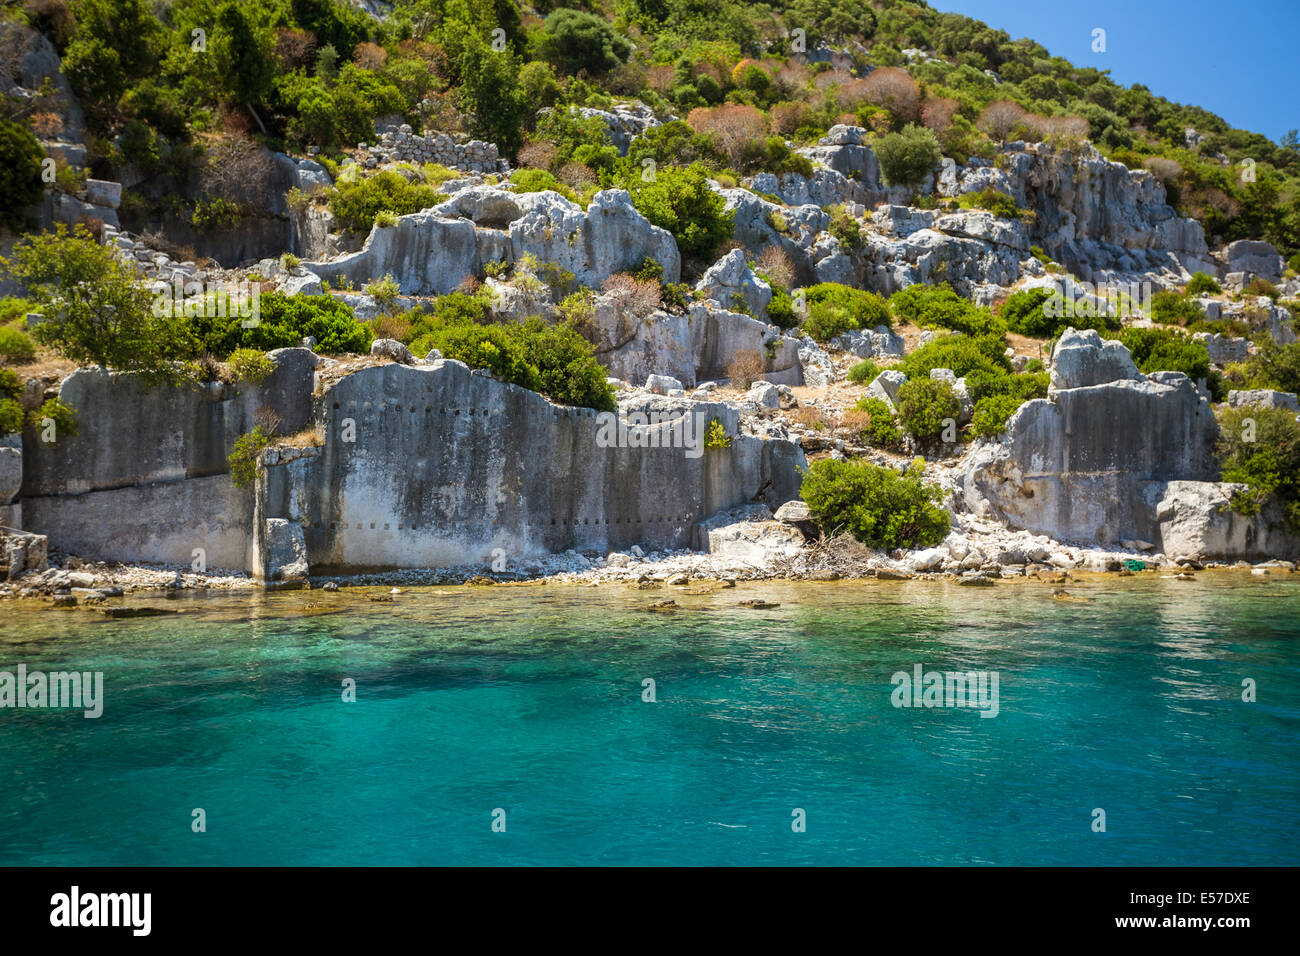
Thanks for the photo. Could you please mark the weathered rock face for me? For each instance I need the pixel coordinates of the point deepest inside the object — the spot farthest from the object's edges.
(730, 280)
(1084, 358)
(448, 466)
(431, 252)
(691, 348)
(1252, 256)
(146, 477)
(1196, 521)
(1075, 466)
(1098, 218)
(1263, 398)
(624, 122)
(426, 253)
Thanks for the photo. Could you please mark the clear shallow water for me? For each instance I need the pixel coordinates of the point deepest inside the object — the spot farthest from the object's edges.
(529, 699)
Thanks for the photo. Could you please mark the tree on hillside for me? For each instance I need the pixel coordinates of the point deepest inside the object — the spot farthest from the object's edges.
(1000, 119)
(906, 158)
(20, 173)
(96, 309)
(489, 94)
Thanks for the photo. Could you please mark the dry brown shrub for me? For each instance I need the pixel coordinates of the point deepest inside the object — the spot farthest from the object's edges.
(937, 114)
(776, 262)
(854, 419)
(788, 117)
(659, 78)
(1165, 170)
(810, 417)
(825, 81)
(469, 285)
(576, 175)
(294, 48)
(638, 297)
(733, 126)
(537, 153)
(1059, 129)
(1000, 119)
(745, 368)
(894, 89)
(54, 19)
(46, 125)
(236, 168)
(370, 56)
(267, 418)
(791, 78)
(394, 326)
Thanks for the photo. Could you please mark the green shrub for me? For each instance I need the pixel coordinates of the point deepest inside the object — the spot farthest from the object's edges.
(834, 309)
(284, 322)
(57, 413)
(780, 311)
(554, 360)
(924, 404)
(96, 309)
(940, 307)
(356, 204)
(1276, 366)
(1261, 448)
(1170, 308)
(250, 365)
(20, 173)
(575, 41)
(826, 320)
(882, 429)
(243, 456)
(961, 353)
(864, 372)
(1164, 350)
(1200, 284)
(715, 435)
(990, 199)
(992, 413)
(907, 158)
(11, 416)
(680, 201)
(1024, 314)
(16, 345)
(567, 369)
(846, 230)
(878, 506)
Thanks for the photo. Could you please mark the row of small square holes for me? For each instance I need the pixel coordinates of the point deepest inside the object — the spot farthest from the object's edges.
(657, 519)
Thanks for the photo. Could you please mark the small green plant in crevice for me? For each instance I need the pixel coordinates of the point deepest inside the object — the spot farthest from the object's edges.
(250, 365)
(715, 435)
(11, 409)
(54, 420)
(243, 456)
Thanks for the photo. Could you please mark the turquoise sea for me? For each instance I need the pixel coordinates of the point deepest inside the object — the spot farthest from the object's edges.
(529, 699)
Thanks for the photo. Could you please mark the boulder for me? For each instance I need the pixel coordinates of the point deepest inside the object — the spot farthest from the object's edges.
(885, 386)
(731, 282)
(1260, 258)
(662, 384)
(764, 394)
(1074, 466)
(1082, 359)
(393, 350)
(1263, 398)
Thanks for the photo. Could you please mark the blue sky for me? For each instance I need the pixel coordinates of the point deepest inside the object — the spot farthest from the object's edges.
(1237, 59)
